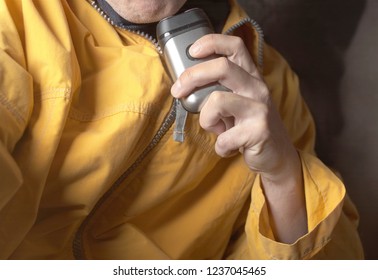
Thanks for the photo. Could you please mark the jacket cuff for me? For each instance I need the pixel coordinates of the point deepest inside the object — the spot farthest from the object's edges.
(324, 194)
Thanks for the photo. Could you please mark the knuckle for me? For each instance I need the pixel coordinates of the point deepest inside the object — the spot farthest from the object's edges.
(187, 76)
(222, 145)
(204, 120)
(216, 98)
(263, 112)
(210, 38)
(264, 92)
(260, 91)
(238, 42)
(207, 41)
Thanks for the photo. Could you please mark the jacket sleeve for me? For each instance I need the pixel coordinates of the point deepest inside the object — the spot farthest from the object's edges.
(332, 218)
(15, 106)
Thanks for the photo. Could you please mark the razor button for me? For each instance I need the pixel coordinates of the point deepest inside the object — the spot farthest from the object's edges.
(188, 54)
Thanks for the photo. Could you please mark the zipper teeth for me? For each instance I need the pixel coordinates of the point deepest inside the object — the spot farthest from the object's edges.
(77, 247)
(260, 34)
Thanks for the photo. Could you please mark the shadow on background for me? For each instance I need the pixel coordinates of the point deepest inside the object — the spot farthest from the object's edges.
(314, 37)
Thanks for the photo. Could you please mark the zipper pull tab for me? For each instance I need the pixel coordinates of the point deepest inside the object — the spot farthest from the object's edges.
(181, 115)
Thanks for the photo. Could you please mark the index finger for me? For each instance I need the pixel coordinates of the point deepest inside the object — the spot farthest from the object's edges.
(232, 47)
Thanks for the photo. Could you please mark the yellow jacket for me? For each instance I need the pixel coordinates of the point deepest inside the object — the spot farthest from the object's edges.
(88, 166)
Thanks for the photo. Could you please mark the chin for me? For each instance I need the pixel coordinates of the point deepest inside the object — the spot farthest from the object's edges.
(153, 11)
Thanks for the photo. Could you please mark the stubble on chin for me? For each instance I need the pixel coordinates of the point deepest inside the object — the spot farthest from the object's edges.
(144, 11)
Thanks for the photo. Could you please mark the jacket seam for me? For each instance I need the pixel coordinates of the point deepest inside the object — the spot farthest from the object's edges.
(54, 93)
(12, 109)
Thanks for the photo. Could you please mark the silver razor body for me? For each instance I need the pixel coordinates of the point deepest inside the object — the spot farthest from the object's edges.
(176, 34)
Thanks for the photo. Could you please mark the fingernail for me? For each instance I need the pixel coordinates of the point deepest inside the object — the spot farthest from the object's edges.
(195, 48)
(176, 88)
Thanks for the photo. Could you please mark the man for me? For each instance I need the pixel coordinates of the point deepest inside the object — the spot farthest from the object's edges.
(91, 170)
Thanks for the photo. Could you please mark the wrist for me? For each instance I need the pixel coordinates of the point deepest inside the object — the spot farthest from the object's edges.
(285, 198)
(287, 173)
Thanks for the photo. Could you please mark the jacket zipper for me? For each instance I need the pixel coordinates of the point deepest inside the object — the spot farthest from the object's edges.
(77, 245)
(260, 37)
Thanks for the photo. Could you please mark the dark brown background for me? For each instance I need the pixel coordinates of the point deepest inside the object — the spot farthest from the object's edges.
(333, 47)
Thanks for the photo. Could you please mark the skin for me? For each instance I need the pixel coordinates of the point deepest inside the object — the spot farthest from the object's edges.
(245, 121)
(145, 11)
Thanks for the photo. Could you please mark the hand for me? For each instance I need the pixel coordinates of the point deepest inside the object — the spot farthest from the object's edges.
(246, 120)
